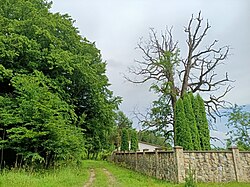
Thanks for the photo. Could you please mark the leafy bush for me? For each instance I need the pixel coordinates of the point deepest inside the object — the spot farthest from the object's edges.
(190, 179)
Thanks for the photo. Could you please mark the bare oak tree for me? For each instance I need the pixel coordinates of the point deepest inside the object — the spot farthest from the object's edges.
(172, 75)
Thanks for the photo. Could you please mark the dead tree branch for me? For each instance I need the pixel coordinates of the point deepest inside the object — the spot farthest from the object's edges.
(196, 71)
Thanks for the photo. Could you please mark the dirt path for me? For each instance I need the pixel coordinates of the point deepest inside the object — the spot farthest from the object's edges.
(91, 178)
(112, 180)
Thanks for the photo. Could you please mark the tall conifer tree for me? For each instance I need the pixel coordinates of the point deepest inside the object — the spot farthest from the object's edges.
(191, 122)
(202, 123)
(134, 140)
(192, 99)
(182, 131)
(124, 143)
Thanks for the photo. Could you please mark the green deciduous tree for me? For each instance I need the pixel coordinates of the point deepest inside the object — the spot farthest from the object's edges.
(121, 122)
(158, 119)
(183, 135)
(153, 137)
(52, 85)
(37, 123)
(239, 127)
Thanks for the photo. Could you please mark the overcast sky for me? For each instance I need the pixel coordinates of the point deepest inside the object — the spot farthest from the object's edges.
(116, 26)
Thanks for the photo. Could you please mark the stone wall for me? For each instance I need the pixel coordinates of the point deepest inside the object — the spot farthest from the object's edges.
(207, 166)
(211, 166)
(245, 164)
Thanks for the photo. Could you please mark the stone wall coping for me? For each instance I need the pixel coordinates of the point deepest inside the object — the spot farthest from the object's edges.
(121, 153)
(178, 147)
(172, 151)
(166, 151)
(233, 147)
(209, 151)
(139, 152)
(159, 152)
(244, 151)
(148, 152)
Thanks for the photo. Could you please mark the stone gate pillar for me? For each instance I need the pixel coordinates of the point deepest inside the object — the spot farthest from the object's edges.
(179, 164)
(237, 164)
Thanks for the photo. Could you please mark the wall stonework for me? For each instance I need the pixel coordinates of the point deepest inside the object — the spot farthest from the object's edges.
(208, 166)
(245, 164)
(166, 166)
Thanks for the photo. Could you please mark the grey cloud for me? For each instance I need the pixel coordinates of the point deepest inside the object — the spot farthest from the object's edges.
(117, 25)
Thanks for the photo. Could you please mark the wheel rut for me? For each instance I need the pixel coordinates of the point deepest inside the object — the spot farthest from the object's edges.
(91, 179)
(112, 180)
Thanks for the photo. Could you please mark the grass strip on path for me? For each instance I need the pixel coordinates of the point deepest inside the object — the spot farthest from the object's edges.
(101, 179)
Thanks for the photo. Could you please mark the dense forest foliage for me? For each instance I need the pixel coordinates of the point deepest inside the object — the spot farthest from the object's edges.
(54, 98)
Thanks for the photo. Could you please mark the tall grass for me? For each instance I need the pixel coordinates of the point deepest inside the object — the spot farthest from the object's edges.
(63, 177)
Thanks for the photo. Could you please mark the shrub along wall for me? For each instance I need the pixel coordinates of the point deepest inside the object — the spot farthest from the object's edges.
(208, 166)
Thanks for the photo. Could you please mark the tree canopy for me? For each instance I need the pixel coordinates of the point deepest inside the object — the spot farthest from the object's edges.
(239, 128)
(53, 88)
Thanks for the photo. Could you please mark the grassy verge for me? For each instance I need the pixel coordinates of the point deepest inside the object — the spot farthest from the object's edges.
(64, 177)
(78, 176)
